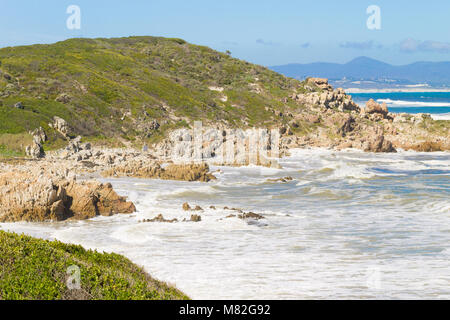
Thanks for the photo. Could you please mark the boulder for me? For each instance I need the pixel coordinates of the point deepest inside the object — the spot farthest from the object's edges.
(378, 143)
(322, 83)
(196, 218)
(19, 105)
(160, 218)
(186, 206)
(32, 195)
(36, 150)
(374, 107)
(182, 172)
(60, 125)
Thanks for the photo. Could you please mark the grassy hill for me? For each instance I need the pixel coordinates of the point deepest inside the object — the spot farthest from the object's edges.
(37, 269)
(109, 88)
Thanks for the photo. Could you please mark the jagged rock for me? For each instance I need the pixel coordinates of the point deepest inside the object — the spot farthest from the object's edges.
(374, 107)
(147, 126)
(34, 195)
(188, 172)
(346, 125)
(19, 105)
(60, 125)
(427, 146)
(36, 150)
(186, 206)
(378, 144)
(336, 99)
(160, 218)
(283, 180)
(196, 218)
(250, 215)
(322, 83)
(246, 215)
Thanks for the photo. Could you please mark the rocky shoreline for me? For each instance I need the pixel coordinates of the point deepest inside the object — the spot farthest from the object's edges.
(61, 185)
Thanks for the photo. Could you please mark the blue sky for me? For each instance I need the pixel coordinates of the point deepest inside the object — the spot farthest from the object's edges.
(264, 32)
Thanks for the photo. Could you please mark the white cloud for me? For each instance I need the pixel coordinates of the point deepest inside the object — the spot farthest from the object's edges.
(411, 45)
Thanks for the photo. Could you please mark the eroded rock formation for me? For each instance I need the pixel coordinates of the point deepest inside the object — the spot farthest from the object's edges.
(183, 172)
(31, 194)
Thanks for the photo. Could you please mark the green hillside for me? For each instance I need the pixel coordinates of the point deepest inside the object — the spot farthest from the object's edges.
(37, 269)
(110, 88)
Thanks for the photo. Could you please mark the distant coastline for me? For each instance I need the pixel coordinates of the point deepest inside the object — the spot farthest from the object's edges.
(390, 90)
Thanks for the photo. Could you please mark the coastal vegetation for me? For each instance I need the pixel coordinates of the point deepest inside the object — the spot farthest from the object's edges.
(38, 269)
(109, 88)
(133, 91)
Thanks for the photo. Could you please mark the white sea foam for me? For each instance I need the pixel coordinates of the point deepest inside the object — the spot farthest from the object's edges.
(443, 116)
(414, 103)
(346, 219)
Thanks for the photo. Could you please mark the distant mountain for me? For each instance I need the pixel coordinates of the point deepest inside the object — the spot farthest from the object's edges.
(367, 69)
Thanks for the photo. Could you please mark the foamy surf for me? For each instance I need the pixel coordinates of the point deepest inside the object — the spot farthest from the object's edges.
(413, 103)
(345, 217)
(444, 116)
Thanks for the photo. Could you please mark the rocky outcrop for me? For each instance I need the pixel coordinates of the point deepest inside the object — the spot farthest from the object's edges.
(321, 83)
(378, 143)
(36, 150)
(247, 215)
(60, 125)
(32, 194)
(220, 145)
(187, 207)
(427, 146)
(282, 180)
(160, 218)
(90, 199)
(329, 98)
(374, 107)
(187, 172)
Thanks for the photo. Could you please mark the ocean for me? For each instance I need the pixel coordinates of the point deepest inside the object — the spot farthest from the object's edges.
(350, 225)
(435, 103)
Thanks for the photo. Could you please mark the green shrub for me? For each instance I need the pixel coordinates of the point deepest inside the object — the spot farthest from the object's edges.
(37, 269)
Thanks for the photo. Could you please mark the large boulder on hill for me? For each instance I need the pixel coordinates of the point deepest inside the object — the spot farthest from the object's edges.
(374, 107)
(60, 125)
(36, 150)
(322, 83)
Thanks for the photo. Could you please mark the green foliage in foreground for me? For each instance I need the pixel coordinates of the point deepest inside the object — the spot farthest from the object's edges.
(32, 268)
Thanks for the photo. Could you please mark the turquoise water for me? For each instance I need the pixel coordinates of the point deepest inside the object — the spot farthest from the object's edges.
(410, 102)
